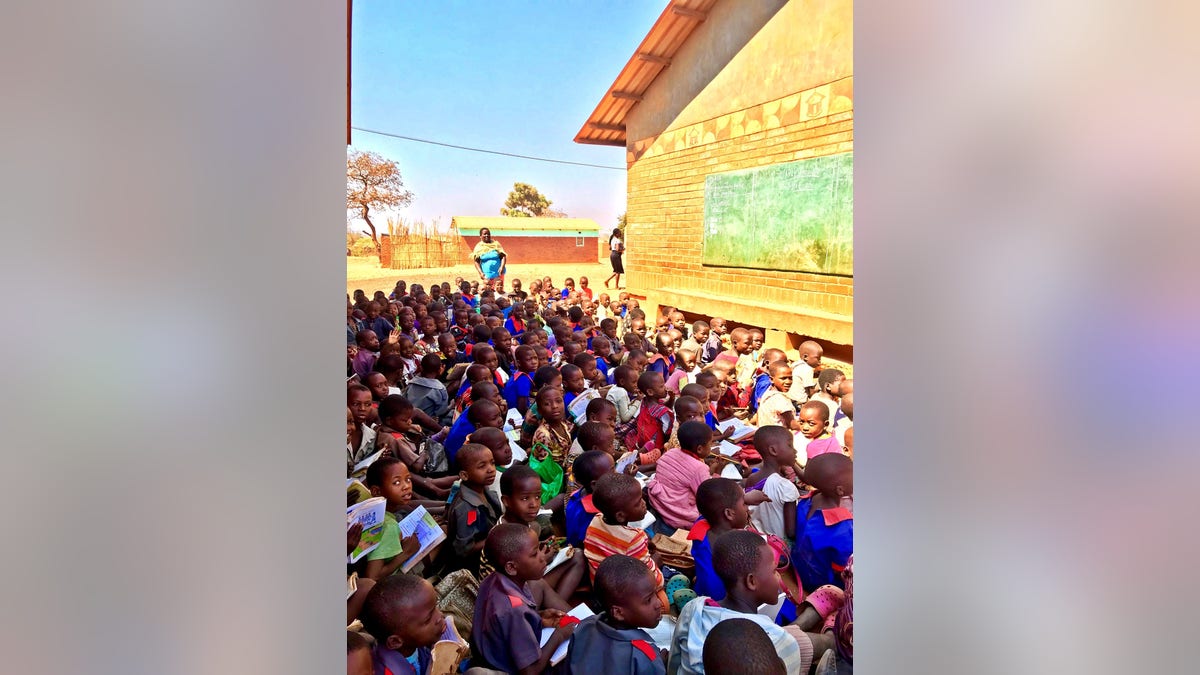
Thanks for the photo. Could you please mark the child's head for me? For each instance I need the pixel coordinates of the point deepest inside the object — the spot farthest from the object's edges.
(609, 326)
(781, 375)
(575, 313)
(828, 379)
(428, 326)
(502, 339)
(696, 391)
(685, 357)
(832, 474)
(848, 442)
(366, 339)
(476, 467)
(688, 409)
(619, 498)
(771, 355)
(484, 412)
(626, 378)
(603, 411)
(521, 493)
(447, 345)
(637, 358)
(601, 347)
(495, 440)
(665, 344)
(700, 331)
(678, 320)
(746, 565)
(514, 550)
(628, 591)
(847, 405)
(572, 378)
(358, 399)
(736, 646)
(756, 339)
(405, 347)
(550, 404)
(432, 365)
(546, 376)
(377, 383)
(373, 309)
(358, 654)
(571, 349)
(526, 359)
(638, 327)
(485, 355)
(739, 339)
(710, 381)
(596, 436)
(695, 437)
(586, 363)
(652, 385)
(723, 501)
(813, 418)
(590, 467)
(396, 412)
(401, 613)
(810, 353)
(718, 326)
(774, 444)
(388, 477)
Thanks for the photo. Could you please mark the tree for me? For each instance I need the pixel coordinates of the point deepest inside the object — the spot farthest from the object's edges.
(373, 184)
(621, 223)
(525, 201)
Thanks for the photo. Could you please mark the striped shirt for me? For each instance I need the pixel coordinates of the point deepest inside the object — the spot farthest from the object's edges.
(698, 618)
(603, 540)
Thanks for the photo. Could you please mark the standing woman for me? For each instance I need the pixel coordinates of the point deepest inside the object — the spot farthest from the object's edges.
(618, 248)
(490, 259)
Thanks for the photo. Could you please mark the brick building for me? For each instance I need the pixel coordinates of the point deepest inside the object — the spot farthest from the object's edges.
(535, 240)
(719, 92)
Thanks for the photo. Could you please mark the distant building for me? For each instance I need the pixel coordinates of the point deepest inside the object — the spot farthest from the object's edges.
(535, 240)
(737, 120)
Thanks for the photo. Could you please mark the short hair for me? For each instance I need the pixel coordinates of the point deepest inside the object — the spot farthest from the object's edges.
(819, 406)
(528, 338)
(588, 467)
(356, 641)
(384, 602)
(595, 405)
(479, 369)
(576, 313)
(480, 435)
(607, 323)
(478, 353)
(524, 349)
(581, 359)
(696, 391)
(481, 333)
(827, 377)
(622, 372)
(635, 352)
(717, 494)
(773, 433)
(687, 401)
(475, 411)
(544, 376)
(431, 362)
(698, 325)
(498, 330)
(616, 576)
(505, 541)
(514, 474)
(831, 470)
(739, 333)
(356, 387)
(468, 453)
(706, 375)
(482, 390)
(590, 433)
(392, 405)
(735, 555)
(613, 489)
(569, 369)
(736, 646)
(375, 472)
(646, 380)
(637, 313)
(693, 434)
(389, 363)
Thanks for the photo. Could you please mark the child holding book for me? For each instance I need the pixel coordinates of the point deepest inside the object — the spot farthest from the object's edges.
(614, 641)
(672, 490)
(388, 477)
(473, 511)
(776, 516)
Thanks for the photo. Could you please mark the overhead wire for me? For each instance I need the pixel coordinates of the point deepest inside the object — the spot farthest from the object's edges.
(490, 152)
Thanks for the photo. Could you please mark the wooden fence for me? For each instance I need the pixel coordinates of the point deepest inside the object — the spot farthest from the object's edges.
(417, 246)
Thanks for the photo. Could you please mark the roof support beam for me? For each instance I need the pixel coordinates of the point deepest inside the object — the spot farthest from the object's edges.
(627, 96)
(690, 13)
(607, 127)
(651, 58)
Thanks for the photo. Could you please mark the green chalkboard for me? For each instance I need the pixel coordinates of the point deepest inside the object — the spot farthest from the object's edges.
(796, 217)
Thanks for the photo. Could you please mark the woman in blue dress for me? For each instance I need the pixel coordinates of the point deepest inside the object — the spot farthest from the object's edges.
(490, 259)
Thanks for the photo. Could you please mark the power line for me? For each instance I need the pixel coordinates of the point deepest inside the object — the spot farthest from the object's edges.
(490, 152)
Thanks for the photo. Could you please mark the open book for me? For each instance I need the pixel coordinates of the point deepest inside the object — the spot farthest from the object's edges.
(421, 523)
(578, 407)
(448, 652)
(360, 470)
(626, 459)
(370, 513)
(741, 430)
(580, 612)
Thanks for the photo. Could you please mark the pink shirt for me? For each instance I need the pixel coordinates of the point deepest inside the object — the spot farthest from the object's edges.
(673, 488)
(823, 445)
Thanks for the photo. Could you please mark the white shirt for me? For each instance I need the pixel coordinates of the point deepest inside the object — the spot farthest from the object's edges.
(768, 516)
(802, 376)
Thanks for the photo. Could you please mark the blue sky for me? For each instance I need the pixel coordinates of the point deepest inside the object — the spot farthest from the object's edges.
(519, 77)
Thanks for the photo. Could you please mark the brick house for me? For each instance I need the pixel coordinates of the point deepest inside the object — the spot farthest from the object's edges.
(716, 88)
(535, 240)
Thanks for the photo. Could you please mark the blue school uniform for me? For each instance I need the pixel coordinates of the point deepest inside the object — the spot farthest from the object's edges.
(507, 629)
(579, 514)
(598, 647)
(762, 382)
(707, 582)
(459, 432)
(602, 366)
(512, 328)
(519, 386)
(824, 541)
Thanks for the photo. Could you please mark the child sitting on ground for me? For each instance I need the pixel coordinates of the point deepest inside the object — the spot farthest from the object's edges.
(663, 359)
(814, 430)
(722, 505)
(507, 627)
(475, 373)
(746, 565)
(494, 439)
(520, 387)
(776, 516)
(737, 646)
(825, 539)
(619, 499)
(521, 490)
(613, 640)
(401, 613)
(474, 510)
(553, 435)
(427, 393)
(655, 420)
(388, 477)
(591, 436)
(405, 442)
(483, 412)
(625, 397)
(680, 472)
(580, 509)
(573, 382)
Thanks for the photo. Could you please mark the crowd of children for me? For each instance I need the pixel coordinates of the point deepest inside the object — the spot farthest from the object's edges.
(612, 493)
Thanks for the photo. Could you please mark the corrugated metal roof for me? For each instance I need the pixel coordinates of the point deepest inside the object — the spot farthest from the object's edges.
(520, 224)
(606, 125)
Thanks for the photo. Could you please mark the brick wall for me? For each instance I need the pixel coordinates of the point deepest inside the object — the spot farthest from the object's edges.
(543, 249)
(666, 216)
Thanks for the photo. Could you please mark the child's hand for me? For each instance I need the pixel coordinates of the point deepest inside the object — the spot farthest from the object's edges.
(409, 546)
(550, 617)
(756, 497)
(632, 469)
(353, 536)
(351, 351)
(394, 337)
